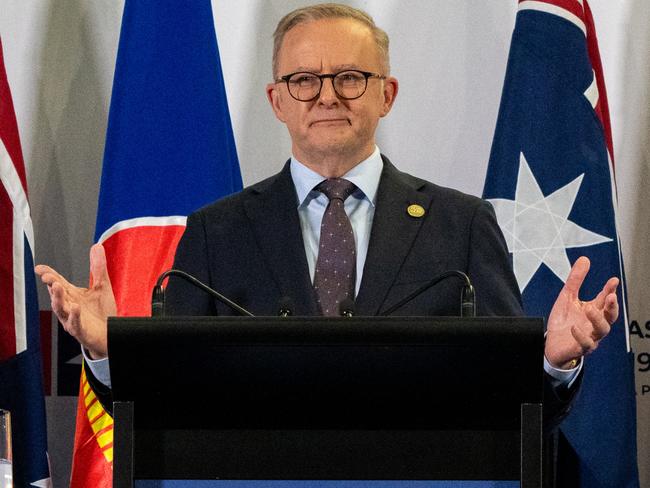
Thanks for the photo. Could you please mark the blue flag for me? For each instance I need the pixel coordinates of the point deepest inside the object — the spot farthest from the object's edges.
(169, 151)
(169, 144)
(21, 373)
(551, 181)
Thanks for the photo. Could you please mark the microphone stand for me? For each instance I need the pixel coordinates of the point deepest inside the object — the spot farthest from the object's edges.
(158, 294)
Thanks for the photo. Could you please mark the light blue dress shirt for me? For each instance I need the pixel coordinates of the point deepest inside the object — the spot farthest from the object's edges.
(359, 206)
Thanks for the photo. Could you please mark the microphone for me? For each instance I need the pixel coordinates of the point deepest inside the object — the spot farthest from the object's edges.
(158, 293)
(467, 301)
(347, 308)
(467, 296)
(286, 307)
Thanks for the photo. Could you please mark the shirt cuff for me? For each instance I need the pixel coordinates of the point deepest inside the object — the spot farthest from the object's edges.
(562, 377)
(99, 367)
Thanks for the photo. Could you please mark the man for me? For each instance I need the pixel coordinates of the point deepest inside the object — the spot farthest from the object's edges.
(340, 221)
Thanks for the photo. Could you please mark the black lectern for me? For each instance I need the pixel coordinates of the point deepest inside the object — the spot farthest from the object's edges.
(361, 398)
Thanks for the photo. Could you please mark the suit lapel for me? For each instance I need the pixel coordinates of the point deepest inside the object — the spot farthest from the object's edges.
(391, 239)
(272, 210)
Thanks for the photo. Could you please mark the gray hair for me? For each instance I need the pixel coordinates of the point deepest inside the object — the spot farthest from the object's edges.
(328, 11)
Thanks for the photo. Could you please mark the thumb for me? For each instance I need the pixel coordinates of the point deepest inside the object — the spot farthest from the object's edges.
(577, 276)
(98, 268)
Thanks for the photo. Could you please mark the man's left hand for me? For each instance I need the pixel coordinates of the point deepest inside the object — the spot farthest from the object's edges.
(575, 327)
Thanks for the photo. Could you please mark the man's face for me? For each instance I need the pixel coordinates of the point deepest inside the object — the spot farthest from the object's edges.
(331, 128)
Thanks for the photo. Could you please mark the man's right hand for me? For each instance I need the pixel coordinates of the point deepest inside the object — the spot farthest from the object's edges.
(83, 312)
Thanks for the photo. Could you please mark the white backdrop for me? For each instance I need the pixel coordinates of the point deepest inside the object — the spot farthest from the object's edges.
(449, 56)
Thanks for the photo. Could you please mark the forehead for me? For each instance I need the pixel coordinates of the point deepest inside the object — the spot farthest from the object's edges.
(321, 45)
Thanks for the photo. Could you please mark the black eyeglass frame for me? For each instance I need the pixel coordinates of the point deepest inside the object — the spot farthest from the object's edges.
(366, 75)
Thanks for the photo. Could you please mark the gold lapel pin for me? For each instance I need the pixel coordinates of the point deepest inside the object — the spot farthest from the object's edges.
(415, 210)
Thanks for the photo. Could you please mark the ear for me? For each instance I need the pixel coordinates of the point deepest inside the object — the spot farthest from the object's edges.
(274, 96)
(391, 87)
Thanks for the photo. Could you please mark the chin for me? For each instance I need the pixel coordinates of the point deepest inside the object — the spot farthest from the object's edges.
(334, 139)
(336, 147)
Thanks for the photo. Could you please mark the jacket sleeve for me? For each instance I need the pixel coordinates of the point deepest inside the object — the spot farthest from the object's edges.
(490, 268)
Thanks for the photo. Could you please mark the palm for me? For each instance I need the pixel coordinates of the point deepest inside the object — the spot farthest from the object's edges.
(96, 304)
(575, 327)
(83, 312)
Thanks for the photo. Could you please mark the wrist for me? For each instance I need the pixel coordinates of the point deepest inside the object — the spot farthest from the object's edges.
(569, 364)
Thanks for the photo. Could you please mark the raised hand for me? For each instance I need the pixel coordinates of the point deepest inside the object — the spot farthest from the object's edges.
(83, 312)
(575, 327)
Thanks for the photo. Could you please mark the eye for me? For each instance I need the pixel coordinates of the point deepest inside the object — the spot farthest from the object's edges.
(303, 79)
(349, 77)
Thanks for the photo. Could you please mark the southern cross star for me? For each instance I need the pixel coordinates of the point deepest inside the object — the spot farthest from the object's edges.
(537, 227)
(44, 483)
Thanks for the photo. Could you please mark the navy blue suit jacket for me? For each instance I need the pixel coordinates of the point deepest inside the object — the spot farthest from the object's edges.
(249, 247)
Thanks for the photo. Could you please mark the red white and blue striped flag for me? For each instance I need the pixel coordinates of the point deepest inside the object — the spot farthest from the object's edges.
(551, 181)
(169, 150)
(21, 374)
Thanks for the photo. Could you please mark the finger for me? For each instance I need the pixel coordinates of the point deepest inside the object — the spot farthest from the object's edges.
(49, 290)
(599, 323)
(50, 275)
(39, 269)
(74, 321)
(609, 288)
(98, 268)
(577, 276)
(59, 306)
(584, 339)
(49, 278)
(70, 291)
(611, 308)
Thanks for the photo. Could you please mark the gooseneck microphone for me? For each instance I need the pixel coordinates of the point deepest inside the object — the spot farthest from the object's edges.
(158, 293)
(467, 296)
(286, 307)
(347, 308)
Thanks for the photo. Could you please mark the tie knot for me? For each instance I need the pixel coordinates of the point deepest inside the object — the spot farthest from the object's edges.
(336, 188)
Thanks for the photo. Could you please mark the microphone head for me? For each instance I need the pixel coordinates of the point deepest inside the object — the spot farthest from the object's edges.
(346, 308)
(468, 302)
(158, 301)
(285, 307)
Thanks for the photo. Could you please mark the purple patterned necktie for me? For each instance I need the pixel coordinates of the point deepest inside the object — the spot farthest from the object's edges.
(335, 276)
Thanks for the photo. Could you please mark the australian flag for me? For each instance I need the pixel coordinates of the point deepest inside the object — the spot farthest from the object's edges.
(21, 374)
(551, 180)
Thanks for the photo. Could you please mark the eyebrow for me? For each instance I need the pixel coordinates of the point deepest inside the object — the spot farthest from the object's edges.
(337, 68)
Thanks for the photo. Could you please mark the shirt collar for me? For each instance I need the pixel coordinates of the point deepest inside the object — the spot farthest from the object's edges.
(364, 175)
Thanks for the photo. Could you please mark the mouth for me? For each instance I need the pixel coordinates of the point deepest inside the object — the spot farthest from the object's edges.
(332, 121)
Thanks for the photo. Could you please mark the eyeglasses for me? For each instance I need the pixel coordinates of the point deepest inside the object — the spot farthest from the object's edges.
(350, 84)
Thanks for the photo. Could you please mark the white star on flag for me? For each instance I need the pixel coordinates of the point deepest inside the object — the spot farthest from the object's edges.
(537, 227)
(44, 483)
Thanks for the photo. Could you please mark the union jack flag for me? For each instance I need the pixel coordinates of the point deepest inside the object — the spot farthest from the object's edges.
(21, 376)
(551, 181)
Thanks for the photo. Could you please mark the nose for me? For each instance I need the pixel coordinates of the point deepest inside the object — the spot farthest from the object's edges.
(327, 94)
